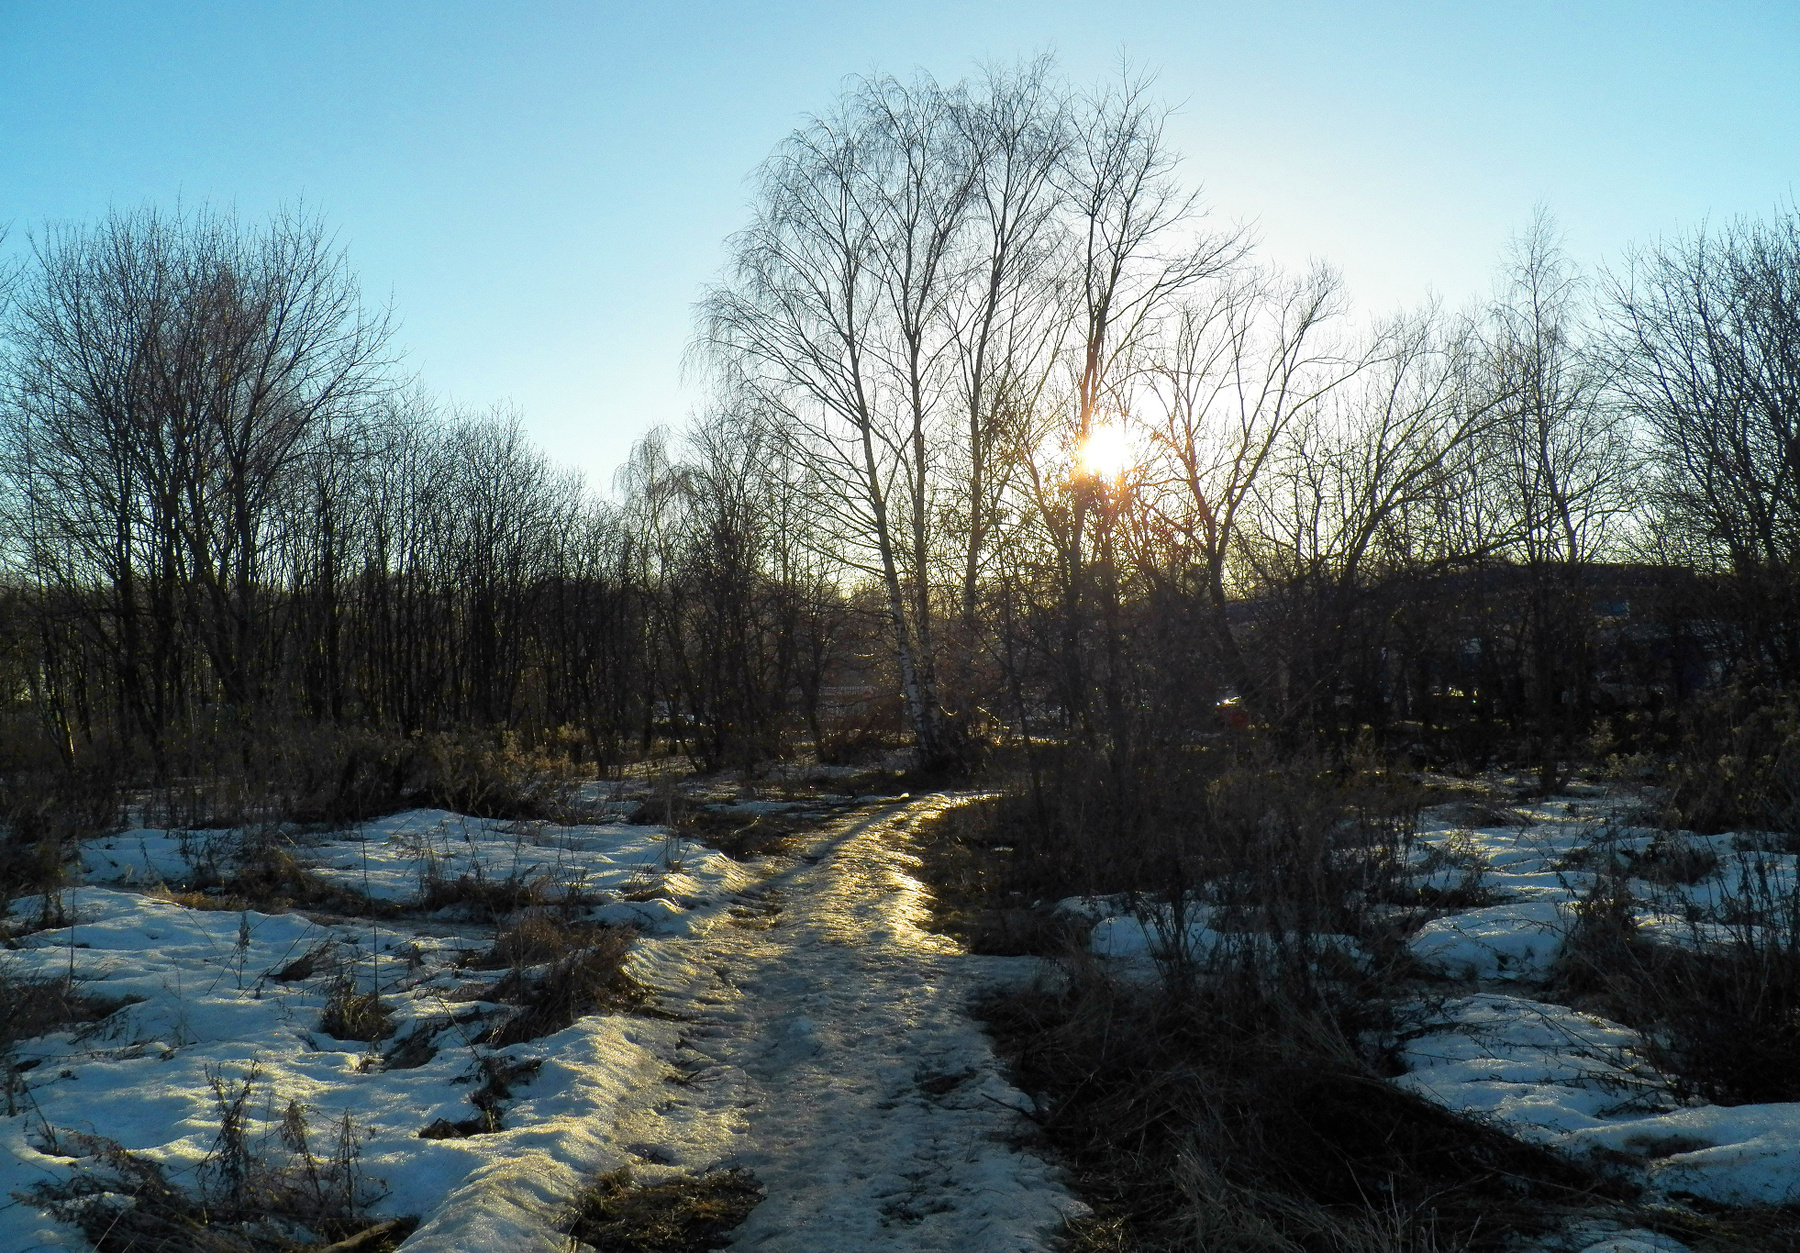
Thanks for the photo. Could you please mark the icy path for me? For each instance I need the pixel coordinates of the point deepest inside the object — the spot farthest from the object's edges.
(829, 1051)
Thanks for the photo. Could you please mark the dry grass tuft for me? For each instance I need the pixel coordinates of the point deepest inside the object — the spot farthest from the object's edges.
(353, 1015)
(557, 972)
(486, 899)
(31, 1006)
(278, 1194)
(497, 1075)
(741, 839)
(262, 867)
(679, 1216)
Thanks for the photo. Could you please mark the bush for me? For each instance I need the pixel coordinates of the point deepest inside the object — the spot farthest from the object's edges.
(497, 777)
(47, 803)
(1738, 764)
(1290, 851)
(229, 775)
(1720, 1011)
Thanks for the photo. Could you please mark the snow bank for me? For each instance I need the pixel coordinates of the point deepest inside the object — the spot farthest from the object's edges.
(206, 1000)
(1556, 1076)
(1513, 941)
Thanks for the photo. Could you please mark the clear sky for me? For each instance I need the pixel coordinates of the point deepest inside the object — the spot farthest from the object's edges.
(542, 188)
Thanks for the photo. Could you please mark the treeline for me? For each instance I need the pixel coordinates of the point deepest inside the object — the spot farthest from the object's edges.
(1008, 444)
(228, 516)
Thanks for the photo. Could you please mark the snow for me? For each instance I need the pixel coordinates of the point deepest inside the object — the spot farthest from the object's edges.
(1584, 1085)
(806, 1027)
(1543, 1071)
(206, 998)
(1517, 940)
(399, 858)
(867, 1101)
(831, 1053)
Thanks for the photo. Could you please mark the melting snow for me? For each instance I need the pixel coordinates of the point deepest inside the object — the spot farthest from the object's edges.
(831, 1052)
(1544, 1071)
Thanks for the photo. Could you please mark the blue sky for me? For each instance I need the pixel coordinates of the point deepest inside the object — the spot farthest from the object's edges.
(542, 189)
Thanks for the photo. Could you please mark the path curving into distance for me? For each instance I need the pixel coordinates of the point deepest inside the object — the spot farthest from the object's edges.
(826, 1047)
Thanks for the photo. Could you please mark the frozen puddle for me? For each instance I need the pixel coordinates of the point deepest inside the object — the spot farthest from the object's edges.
(805, 1028)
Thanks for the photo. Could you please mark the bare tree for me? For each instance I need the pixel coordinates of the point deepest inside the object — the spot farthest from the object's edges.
(1359, 496)
(1705, 337)
(1008, 319)
(174, 378)
(836, 317)
(1219, 400)
(1560, 462)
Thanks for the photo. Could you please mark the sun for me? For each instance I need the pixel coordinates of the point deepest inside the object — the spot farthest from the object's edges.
(1105, 453)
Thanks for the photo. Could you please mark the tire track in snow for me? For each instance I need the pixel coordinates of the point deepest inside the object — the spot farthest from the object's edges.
(831, 1053)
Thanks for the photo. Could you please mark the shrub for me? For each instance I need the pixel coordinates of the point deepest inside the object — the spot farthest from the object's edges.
(1720, 1010)
(497, 777)
(47, 803)
(1738, 764)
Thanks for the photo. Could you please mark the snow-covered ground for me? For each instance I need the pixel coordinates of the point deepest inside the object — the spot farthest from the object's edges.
(806, 1029)
(1489, 1045)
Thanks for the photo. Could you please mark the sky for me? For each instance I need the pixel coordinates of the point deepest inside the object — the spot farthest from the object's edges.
(542, 190)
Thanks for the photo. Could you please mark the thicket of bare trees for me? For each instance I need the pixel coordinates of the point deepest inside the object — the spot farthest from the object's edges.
(1008, 443)
(226, 519)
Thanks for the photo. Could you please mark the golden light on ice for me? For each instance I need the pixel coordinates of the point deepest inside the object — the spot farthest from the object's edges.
(1105, 453)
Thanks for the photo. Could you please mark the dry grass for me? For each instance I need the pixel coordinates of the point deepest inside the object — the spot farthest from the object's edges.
(678, 1216)
(497, 1076)
(262, 867)
(741, 839)
(557, 972)
(489, 900)
(1234, 1118)
(973, 865)
(1238, 1101)
(274, 1194)
(232, 776)
(31, 1007)
(353, 1015)
(1721, 1012)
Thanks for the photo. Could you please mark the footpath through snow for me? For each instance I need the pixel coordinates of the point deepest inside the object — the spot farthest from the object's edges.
(868, 1103)
(804, 1026)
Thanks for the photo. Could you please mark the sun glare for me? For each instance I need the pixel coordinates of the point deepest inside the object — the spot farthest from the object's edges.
(1105, 453)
